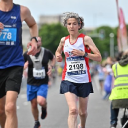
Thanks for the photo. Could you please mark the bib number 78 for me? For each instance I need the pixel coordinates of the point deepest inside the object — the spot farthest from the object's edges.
(5, 35)
(8, 34)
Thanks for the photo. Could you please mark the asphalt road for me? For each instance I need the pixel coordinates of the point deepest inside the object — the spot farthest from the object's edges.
(98, 110)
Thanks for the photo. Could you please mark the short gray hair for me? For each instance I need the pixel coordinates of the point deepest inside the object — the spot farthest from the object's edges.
(68, 15)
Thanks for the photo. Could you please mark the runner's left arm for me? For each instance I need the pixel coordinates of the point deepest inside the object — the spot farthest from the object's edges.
(30, 21)
(95, 55)
(51, 64)
(26, 60)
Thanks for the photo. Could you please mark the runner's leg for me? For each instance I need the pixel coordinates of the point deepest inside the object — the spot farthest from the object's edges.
(10, 109)
(2, 112)
(73, 112)
(83, 110)
(34, 109)
(42, 102)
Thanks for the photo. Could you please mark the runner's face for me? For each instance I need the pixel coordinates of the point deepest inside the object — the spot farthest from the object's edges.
(39, 43)
(72, 26)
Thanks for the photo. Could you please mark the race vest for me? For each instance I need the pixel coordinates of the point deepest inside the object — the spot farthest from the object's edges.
(38, 70)
(120, 90)
(76, 68)
(11, 49)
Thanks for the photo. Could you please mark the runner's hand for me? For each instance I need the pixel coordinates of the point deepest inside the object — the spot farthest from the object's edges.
(77, 52)
(33, 45)
(26, 65)
(59, 58)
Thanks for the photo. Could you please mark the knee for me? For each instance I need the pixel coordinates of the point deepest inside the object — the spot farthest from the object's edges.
(73, 111)
(42, 102)
(10, 108)
(83, 113)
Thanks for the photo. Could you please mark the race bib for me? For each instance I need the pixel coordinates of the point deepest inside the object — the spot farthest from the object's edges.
(76, 66)
(39, 74)
(8, 36)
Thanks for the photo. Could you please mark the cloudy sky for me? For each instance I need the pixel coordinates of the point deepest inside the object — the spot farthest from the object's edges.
(94, 12)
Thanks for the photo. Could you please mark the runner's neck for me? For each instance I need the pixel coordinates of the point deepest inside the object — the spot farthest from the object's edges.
(6, 6)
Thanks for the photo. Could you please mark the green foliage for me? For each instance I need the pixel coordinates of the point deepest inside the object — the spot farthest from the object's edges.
(51, 35)
(103, 44)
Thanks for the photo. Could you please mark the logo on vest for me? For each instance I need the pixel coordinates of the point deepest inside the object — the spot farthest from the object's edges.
(13, 17)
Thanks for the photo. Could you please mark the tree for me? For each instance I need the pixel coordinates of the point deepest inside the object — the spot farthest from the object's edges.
(51, 35)
(103, 44)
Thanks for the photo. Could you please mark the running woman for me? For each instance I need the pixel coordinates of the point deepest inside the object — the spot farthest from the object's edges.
(76, 79)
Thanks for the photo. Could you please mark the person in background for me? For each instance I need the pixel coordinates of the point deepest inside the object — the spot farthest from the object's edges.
(101, 76)
(76, 78)
(11, 57)
(108, 83)
(108, 77)
(119, 94)
(39, 68)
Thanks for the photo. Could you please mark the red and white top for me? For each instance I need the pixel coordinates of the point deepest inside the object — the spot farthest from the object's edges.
(76, 68)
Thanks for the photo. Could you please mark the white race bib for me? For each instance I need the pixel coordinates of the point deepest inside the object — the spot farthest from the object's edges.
(76, 66)
(39, 74)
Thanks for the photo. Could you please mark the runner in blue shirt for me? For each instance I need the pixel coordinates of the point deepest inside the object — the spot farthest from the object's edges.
(11, 57)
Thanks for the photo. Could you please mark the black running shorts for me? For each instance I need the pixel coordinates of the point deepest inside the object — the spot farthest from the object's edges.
(10, 79)
(79, 89)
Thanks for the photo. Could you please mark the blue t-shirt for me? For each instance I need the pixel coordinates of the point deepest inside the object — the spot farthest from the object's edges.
(11, 51)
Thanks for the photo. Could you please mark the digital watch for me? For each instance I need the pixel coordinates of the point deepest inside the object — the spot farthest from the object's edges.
(86, 54)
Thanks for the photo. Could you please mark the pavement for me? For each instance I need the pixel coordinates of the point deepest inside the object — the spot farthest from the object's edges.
(98, 109)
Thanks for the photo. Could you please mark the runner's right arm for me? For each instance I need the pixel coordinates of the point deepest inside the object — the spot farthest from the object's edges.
(59, 50)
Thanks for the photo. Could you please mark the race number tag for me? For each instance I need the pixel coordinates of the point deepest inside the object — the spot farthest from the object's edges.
(76, 66)
(8, 36)
(39, 74)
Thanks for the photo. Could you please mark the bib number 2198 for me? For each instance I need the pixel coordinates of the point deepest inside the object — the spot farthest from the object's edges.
(76, 66)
